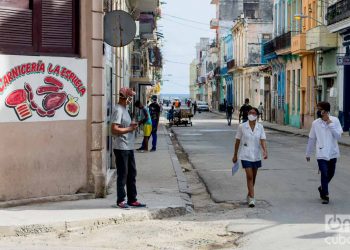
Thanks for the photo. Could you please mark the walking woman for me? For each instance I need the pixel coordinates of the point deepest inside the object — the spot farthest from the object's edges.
(250, 139)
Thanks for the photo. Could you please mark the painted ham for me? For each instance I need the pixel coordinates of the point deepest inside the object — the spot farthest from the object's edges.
(54, 101)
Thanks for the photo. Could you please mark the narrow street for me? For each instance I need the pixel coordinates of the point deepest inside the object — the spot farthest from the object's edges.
(287, 208)
(288, 204)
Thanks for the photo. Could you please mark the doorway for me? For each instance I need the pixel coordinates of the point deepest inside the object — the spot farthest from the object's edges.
(109, 111)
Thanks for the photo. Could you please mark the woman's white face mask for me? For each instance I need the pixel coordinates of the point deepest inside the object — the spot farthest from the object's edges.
(252, 117)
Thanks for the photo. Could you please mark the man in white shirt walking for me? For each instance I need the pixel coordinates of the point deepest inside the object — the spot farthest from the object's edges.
(325, 134)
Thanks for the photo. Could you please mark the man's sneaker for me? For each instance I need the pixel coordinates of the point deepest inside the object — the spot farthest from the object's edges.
(140, 149)
(136, 204)
(251, 202)
(123, 205)
(153, 150)
(325, 200)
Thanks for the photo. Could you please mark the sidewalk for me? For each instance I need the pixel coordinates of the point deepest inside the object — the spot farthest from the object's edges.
(159, 180)
(345, 140)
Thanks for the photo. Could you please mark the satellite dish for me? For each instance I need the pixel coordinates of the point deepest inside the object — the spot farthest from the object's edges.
(119, 28)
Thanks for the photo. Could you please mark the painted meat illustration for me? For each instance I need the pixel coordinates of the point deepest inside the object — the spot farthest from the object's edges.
(16, 97)
(72, 108)
(42, 90)
(53, 81)
(54, 101)
(18, 100)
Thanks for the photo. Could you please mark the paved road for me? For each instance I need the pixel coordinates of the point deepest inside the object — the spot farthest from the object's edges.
(289, 214)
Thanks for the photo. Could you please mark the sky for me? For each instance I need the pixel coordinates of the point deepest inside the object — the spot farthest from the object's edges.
(180, 38)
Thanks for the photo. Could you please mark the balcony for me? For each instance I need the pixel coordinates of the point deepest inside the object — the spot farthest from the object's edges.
(139, 77)
(214, 23)
(319, 38)
(231, 65)
(280, 45)
(299, 44)
(149, 6)
(147, 24)
(269, 47)
(283, 43)
(338, 15)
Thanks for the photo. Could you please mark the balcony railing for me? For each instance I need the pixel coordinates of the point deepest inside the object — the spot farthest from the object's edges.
(231, 64)
(269, 47)
(283, 41)
(338, 11)
(279, 43)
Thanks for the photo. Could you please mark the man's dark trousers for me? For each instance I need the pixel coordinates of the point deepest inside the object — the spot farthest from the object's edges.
(154, 134)
(327, 169)
(126, 175)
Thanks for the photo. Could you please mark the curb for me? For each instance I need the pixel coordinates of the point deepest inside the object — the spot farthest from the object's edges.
(284, 131)
(181, 178)
(59, 198)
(299, 134)
(93, 224)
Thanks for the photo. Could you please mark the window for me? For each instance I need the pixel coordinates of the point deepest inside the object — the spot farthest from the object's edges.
(251, 9)
(39, 27)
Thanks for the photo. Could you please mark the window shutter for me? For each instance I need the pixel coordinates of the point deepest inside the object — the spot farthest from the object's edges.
(16, 29)
(59, 31)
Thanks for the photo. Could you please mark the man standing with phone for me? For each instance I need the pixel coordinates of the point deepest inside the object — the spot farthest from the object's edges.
(123, 130)
(325, 134)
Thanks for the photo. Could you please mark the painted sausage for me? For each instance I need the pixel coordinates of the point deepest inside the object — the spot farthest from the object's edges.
(53, 81)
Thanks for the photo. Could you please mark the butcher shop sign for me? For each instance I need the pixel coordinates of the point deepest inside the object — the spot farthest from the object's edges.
(42, 89)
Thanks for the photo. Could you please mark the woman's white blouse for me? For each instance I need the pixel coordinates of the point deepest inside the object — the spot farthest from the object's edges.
(250, 149)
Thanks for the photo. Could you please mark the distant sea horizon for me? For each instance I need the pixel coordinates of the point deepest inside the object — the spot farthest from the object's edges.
(172, 96)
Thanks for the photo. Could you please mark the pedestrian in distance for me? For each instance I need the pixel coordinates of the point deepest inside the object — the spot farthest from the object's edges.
(145, 120)
(229, 112)
(243, 112)
(324, 135)
(154, 110)
(195, 107)
(261, 111)
(123, 130)
(251, 144)
(170, 115)
(188, 103)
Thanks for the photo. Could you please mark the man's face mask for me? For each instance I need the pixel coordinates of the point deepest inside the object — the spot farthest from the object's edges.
(129, 100)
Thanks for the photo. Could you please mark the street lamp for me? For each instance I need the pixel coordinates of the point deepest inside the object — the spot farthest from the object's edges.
(301, 16)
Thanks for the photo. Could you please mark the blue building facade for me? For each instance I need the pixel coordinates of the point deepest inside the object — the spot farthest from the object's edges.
(227, 56)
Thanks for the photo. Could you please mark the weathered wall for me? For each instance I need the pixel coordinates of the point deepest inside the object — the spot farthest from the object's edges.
(230, 9)
(42, 159)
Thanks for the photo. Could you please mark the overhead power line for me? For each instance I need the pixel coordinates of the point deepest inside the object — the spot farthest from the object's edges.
(185, 19)
(177, 62)
(188, 26)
